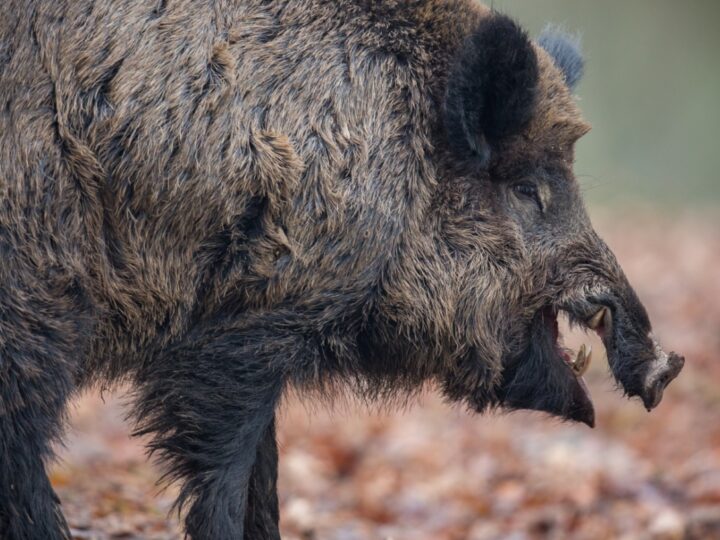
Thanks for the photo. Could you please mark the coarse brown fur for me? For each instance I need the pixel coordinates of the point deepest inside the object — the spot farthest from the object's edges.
(219, 199)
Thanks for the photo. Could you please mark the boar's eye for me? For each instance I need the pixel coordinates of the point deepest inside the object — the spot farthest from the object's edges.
(527, 190)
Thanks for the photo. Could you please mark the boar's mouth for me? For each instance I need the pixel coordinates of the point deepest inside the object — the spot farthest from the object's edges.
(548, 377)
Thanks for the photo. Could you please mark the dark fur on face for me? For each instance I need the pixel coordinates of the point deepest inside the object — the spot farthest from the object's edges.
(221, 201)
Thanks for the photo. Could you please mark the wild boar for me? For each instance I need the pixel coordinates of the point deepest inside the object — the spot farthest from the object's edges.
(218, 200)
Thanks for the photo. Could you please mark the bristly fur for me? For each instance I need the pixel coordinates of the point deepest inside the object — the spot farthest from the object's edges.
(547, 387)
(566, 51)
(492, 87)
(219, 201)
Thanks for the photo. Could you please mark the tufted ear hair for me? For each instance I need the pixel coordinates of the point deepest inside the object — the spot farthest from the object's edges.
(565, 51)
(491, 89)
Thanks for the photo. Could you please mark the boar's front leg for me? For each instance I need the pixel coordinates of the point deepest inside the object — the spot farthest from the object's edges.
(33, 392)
(210, 402)
(262, 513)
(42, 326)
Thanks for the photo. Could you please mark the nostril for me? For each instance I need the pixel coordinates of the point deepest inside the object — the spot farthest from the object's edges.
(675, 365)
(677, 362)
(665, 380)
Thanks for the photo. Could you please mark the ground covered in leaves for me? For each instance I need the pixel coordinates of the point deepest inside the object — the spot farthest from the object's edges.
(434, 472)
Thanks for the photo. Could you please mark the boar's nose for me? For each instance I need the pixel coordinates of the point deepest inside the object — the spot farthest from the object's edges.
(662, 371)
(636, 358)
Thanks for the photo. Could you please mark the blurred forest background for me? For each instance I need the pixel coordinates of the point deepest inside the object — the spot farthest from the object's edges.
(649, 170)
(650, 91)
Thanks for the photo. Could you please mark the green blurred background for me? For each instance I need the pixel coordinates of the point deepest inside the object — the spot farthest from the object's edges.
(652, 93)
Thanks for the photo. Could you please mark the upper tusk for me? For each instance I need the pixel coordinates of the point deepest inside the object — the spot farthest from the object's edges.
(597, 319)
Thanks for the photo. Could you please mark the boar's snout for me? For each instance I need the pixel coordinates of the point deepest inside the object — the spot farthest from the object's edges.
(662, 371)
(636, 359)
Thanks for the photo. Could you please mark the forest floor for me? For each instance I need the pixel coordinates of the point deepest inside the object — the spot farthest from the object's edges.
(436, 472)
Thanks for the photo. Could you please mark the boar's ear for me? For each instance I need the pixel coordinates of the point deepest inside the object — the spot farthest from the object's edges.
(566, 52)
(491, 88)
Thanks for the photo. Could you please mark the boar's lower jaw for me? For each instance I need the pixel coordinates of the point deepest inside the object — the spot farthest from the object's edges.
(544, 378)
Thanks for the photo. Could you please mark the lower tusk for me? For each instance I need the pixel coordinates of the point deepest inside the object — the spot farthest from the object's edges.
(582, 361)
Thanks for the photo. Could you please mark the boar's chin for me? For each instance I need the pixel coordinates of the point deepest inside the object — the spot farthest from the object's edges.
(544, 378)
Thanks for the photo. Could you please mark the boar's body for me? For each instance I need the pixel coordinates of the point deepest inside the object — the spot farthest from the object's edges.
(214, 200)
(191, 163)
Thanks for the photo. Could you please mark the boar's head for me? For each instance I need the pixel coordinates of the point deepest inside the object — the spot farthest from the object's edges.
(517, 244)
